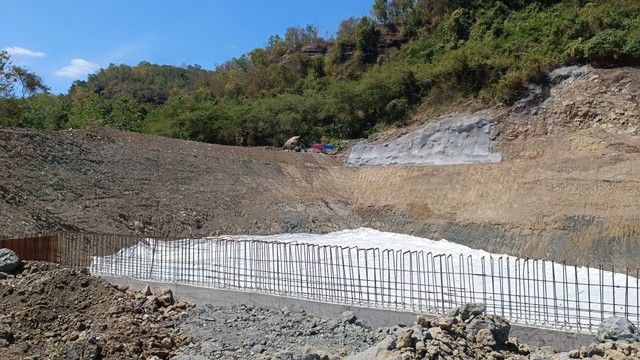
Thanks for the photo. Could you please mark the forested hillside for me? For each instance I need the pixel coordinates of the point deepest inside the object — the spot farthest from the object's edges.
(409, 57)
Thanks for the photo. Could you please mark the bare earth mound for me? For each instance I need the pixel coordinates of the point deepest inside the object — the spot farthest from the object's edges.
(50, 312)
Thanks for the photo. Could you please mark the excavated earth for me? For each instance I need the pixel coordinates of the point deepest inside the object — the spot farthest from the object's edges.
(49, 312)
(567, 188)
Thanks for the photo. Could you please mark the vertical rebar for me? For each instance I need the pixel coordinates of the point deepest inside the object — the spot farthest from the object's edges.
(601, 277)
(637, 295)
(565, 291)
(555, 296)
(626, 295)
(375, 275)
(351, 252)
(483, 276)
(589, 297)
(443, 308)
(613, 289)
(577, 297)
(509, 297)
(493, 284)
(419, 273)
(396, 268)
(463, 275)
(501, 278)
(366, 273)
(472, 286)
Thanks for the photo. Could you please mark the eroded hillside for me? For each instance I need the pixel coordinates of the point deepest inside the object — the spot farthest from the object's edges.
(567, 188)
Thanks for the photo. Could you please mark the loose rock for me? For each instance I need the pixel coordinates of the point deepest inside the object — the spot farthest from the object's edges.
(58, 313)
(617, 328)
(9, 261)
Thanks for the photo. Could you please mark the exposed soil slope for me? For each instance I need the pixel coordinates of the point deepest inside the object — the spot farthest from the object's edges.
(109, 181)
(567, 188)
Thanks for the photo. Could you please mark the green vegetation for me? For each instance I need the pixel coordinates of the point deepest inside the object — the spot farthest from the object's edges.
(410, 56)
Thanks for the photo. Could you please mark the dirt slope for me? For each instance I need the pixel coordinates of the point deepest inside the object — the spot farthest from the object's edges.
(109, 181)
(568, 187)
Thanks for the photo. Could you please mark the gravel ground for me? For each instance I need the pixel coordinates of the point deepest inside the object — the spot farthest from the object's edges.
(246, 332)
(467, 332)
(49, 312)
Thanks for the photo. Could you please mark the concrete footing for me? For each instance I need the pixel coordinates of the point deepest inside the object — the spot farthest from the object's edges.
(372, 317)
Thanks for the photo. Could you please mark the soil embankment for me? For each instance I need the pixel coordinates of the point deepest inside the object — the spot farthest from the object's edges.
(566, 189)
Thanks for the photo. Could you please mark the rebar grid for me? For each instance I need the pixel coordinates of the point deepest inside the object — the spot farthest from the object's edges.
(532, 292)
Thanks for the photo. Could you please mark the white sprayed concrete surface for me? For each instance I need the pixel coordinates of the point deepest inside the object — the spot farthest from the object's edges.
(453, 140)
(530, 291)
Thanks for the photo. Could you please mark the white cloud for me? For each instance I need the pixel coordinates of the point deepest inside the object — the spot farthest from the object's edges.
(15, 50)
(77, 69)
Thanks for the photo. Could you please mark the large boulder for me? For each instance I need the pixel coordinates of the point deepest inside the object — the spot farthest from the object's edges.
(498, 326)
(348, 317)
(83, 350)
(293, 143)
(472, 309)
(384, 350)
(616, 328)
(164, 298)
(9, 260)
(6, 336)
(405, 339)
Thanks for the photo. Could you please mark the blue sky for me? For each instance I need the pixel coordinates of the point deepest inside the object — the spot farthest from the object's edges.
(64, 40)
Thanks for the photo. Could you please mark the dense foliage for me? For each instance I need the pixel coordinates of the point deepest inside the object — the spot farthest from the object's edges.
(409, 56)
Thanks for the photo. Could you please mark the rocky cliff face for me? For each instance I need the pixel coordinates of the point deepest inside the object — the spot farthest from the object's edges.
(577, 99)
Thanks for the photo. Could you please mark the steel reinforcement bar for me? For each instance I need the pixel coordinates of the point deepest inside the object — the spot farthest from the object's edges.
(526, 291)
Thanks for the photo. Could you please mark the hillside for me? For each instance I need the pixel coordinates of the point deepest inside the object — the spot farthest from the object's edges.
(566, 189)
(408, 61)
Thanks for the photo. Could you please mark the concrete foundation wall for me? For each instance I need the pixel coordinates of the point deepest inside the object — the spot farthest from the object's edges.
(374, 318)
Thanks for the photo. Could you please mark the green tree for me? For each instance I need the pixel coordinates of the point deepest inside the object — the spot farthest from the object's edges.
(30, 83)
(45, 111)
(347, 30)
(381, 11)
(10, 75)
(297, 37)
(7, 77)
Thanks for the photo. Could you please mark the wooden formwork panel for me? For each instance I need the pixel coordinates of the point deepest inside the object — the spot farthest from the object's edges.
(40, 248)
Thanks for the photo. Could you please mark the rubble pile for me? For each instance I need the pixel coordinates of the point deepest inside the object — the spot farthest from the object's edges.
(468, 333)
(49, 312)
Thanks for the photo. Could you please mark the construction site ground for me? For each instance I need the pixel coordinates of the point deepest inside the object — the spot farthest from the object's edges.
(567, 189)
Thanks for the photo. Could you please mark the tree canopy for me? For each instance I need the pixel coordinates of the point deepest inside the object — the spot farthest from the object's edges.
(408, 57)
(12, 77)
